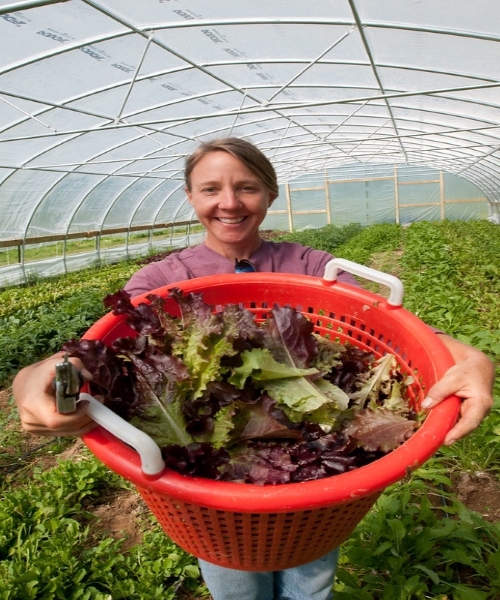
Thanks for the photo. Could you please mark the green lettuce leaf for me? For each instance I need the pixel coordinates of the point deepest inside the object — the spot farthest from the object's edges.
(210, 337)
(163, 420)
(291, 388)
(378, 380)
(259, 365)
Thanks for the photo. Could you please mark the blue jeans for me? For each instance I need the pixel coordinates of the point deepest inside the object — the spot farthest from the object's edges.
(312, 581)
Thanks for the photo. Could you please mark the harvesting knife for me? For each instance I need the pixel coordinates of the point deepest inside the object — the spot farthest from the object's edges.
(67, 384)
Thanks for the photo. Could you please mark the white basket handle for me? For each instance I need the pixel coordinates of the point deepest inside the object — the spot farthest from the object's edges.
(393, 283)
(149, 452)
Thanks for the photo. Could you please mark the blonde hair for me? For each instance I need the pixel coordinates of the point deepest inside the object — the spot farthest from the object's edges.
(244, 151)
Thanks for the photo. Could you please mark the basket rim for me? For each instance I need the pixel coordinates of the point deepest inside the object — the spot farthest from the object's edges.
(337, 489)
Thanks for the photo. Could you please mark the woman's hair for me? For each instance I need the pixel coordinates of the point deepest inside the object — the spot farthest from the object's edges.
(244, 151)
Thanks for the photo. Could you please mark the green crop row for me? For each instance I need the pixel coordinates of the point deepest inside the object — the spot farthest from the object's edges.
(419, 542)
(36, 319)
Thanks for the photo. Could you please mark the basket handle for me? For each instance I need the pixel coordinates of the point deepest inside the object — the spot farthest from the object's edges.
(393, 283)
(149, 452)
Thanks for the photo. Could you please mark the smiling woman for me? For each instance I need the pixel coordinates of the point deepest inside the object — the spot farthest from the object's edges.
(102, 101)
(230, 202)
(230, 185)
(231, 197)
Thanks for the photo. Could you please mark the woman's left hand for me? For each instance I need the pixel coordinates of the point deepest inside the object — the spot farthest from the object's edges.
(471, 379)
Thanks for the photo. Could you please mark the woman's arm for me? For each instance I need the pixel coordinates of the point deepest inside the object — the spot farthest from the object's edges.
(472, 379)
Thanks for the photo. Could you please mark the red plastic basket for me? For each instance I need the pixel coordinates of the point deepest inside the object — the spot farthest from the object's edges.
(268, 528)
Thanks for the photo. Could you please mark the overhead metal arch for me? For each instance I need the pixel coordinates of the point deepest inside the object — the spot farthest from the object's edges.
(140, 204)
(123, 90)
(26, 5)
(104, 177)
(167, 198)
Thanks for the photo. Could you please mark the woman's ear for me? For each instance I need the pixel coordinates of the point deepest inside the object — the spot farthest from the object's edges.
(188, 193)
(272, 198)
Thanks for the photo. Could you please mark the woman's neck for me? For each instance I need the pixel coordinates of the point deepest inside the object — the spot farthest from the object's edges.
(235, 251)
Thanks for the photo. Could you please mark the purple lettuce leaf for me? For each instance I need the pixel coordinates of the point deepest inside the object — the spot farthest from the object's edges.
(259, 463)
(142, 318)
(196, 459)
(380, 429)
(112, 377)
(290, 337)
(354, 365)
(150, 362)
(261, 420)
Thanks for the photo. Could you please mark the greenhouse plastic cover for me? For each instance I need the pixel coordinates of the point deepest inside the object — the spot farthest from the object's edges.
(100, 101)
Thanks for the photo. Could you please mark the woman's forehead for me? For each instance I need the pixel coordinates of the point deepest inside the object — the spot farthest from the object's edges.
(221, 165)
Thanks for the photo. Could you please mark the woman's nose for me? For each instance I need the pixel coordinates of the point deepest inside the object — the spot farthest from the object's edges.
(229, 198)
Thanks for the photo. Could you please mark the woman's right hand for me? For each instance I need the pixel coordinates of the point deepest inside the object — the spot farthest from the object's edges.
(34, 394)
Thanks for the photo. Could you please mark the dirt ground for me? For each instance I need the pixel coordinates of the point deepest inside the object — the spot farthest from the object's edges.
(480, 492)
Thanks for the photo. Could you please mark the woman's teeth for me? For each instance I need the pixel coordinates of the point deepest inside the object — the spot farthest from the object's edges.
(231, 221)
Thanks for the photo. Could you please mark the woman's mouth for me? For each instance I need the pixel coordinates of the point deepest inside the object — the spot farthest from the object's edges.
(231, 221)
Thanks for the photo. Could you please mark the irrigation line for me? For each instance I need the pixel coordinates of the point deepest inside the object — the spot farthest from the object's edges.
(19, 461)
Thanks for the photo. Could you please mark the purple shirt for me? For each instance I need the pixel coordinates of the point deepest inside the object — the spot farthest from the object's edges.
(199, 261)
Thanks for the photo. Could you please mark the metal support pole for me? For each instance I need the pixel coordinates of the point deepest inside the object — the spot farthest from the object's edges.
(17, 6)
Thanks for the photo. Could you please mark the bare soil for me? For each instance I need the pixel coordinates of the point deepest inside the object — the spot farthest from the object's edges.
(480, 492)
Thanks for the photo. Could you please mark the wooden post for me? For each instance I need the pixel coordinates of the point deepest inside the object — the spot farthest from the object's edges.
(327, 200)
(441, 194)
(289, 206)
(396, 194)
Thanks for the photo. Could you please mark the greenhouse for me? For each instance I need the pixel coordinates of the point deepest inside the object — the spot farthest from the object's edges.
(221, 380)
(390, 109)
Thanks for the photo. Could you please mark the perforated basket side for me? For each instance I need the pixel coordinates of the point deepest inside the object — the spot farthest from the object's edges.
(256, 541)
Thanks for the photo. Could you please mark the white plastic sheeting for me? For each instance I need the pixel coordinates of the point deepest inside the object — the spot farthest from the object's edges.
(100, 101)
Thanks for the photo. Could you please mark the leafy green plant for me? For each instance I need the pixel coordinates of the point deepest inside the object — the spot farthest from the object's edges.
(420, 542)
(46, 551)
(17, 451)
(444, 267)
(326, 238)
(479, 451)
(35, 320)
(383, 237)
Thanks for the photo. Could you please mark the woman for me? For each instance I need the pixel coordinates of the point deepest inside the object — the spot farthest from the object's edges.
(231, 185)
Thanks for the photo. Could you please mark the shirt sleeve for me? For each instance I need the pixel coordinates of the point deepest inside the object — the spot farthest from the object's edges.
(146, 279)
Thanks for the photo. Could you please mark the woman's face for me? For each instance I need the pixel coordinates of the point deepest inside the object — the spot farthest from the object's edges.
(230, 202)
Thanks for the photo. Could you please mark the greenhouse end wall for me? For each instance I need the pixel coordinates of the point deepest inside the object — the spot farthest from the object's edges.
(369, 194)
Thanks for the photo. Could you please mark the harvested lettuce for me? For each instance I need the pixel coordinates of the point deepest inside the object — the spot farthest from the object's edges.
(229, 398)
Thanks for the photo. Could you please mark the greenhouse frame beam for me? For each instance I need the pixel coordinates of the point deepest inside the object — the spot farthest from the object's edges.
(293, 21)
(66, 103)
(152, 108)
(353, 140)
(19, 6)
(89, 234)
(376, 72)
(261, 109)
